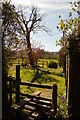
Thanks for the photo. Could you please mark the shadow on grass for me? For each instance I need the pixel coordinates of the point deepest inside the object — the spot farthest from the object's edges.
(43, 77)
(59, 74)
(36, 77)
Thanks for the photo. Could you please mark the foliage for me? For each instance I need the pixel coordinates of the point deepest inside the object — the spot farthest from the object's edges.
(53, 65)
(37, 50)
(70, 41)
(10, 37)
(50, 55)
(8, 31)
(61, 59)
(9, 41)
(69, 27)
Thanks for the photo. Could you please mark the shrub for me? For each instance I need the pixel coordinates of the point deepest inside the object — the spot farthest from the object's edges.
(53, 65)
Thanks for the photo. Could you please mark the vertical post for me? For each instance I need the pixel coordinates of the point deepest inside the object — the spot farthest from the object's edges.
(43, 64)
(36, 62)
(66, 75)
(47, 63)
(10, 90)
(54, 98)
(17, 83)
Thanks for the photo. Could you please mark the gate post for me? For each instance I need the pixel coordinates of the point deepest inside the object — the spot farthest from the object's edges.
(43, 64)
(54, 98)
(18, 83)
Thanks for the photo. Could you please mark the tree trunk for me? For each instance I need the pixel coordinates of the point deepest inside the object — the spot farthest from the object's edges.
(31, 59)
(74, 80)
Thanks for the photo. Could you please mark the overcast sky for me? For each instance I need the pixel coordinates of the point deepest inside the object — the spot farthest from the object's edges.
(52, 9)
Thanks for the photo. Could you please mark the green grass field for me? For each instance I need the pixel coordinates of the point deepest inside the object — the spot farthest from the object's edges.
(50, 77)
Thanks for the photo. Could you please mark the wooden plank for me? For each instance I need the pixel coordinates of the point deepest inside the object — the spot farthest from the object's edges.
(29, 107)
(31, 113)
(32, 96)
(42, 102)
(36, 85)
(45, 107)
(21, 103)
(37, 93)
(39, 98)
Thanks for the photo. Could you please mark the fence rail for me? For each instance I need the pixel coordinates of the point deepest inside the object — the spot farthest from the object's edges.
(39, 63)
(36, 85)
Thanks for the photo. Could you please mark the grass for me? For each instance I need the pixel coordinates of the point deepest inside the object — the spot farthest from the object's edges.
(50, 77)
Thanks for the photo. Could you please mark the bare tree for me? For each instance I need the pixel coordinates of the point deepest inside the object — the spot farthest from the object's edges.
(31, 22)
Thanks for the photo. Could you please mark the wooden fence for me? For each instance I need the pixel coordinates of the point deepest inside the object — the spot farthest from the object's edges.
(17, 82)
(39, 63)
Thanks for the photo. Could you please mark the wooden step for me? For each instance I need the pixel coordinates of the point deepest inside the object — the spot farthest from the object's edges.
(21, 103)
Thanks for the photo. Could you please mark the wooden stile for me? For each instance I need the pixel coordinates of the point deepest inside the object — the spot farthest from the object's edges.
(18, 80)
(34, 99)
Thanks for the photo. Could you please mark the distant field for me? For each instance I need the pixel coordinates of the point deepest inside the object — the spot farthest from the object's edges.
(51, 76)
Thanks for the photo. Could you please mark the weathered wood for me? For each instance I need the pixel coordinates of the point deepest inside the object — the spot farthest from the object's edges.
(32, 96)
(39, 106)
(39, 98)
(17, 107)
(30, 108)
(21, 103)
(42, 103)
(32, 111)
(43, 64)
(47, 64)
(36, 63)
(37, 93)
(36, 85)
(54, 98)
(18, 83)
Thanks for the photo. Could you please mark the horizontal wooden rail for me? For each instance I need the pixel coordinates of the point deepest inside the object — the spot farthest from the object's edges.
(39, 98)
(38, 106)
(36, 85)
(41, 102)
(32, 96)
(31, 84)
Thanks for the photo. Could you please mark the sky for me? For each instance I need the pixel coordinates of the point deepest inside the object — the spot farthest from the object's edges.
(52, 9)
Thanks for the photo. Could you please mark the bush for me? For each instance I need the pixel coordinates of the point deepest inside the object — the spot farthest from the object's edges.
(53, 65)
